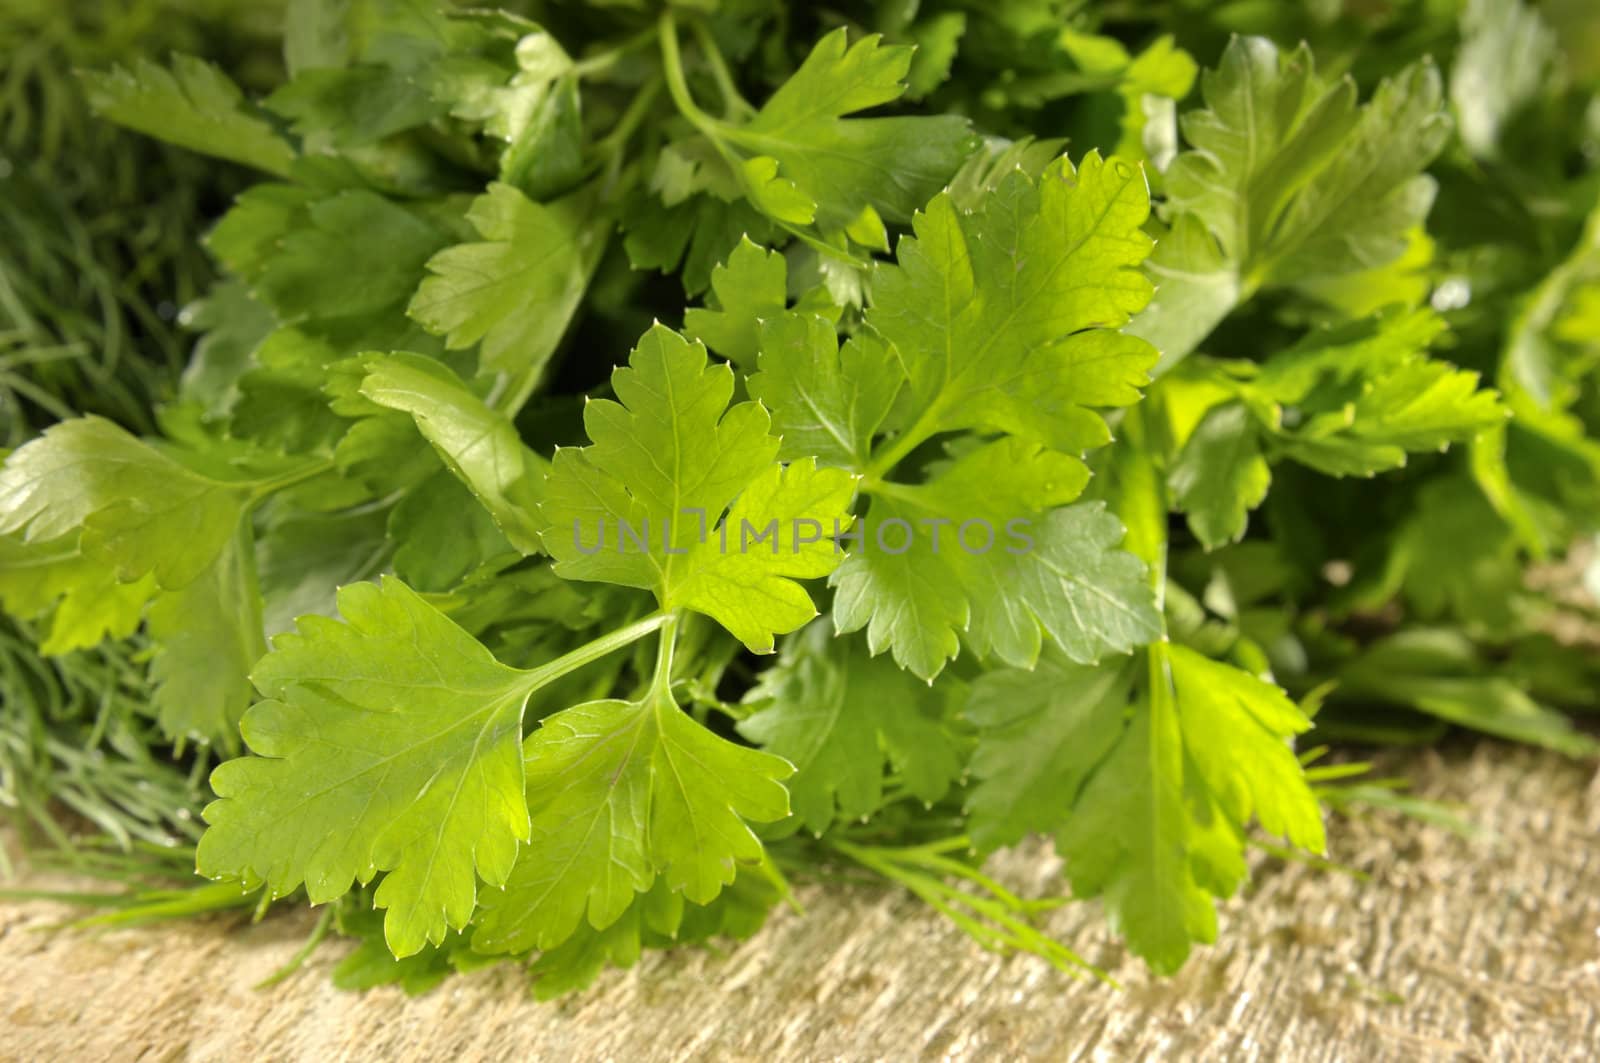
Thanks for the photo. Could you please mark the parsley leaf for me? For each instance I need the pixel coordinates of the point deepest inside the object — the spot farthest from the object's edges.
(1221, 475)
(194, 105)
(622, 789)
(640, 506)
(1001, 315)
(139, 511)
(514, 292)
(845, 165)
(1006, 570)
(1353, 400)
(748, 287)
(844, 719)
(81, 599)
(208, 636)
(1148, 806)
(480, 446)
(1291, 180)
(399, 738)
(827, 400)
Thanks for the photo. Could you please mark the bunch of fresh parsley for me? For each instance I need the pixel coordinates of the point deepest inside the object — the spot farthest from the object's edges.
(1055, 433)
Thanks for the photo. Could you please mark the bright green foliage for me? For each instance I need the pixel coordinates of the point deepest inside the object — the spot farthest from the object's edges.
(949, 358)
(1057, 576)
(1148, 800)
(1001, 320)
(666, 459)
(328, 262)
(371, 963)
(1293, 181)
(398, 737)
(614, 791)
(827, 399)
(801, 160)
(622, 791)
(837, 165)
(1553, 336)
(206, 645)
(1419, 406)
(81, 598)
(1002, 317)
(640, 505)
(1040, 735)
(139, 512)
(1221, 474)
(656, 919)
(1436, 671)
(1129, 842)
(749, 287)
(193, 105)
(749, 587)
(1348, 401)
(442, 535)
(514, 292)
(845, 720)
(479, 445)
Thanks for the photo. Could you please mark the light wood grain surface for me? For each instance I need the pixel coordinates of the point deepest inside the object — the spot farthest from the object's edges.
(1455, 949)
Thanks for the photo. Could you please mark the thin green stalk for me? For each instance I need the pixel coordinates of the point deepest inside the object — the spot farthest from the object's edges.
(994, 917)
(319, 933)
(661, 682)
(678, 86)
(822, 247)
(161, 905)
(611, 151)
(733, 102)
(260, 489)
(602, 62)
(715, 130)
(590, 652)
(903, 444)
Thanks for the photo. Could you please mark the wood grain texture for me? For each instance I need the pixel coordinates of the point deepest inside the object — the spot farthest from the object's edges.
(1456, 949)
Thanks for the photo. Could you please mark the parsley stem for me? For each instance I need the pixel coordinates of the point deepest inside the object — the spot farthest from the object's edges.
(678, 85)
(733, 102)
(884, 462)
(319, 934)
(590, 652)
(611, 145)
(822, 247)
(662, 682)
(715, 129)
(601, 62)
(262, 488)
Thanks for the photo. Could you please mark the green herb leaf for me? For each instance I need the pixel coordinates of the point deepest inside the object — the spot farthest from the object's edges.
(842, 164)
(979, 550)
(139, 512)
(480, 446)
(845, 720)
(1221, 476)
(391, 742)
(515, 292)
(1001, 316)
(827, 400)
(193, 105)
(208, 636)
(622, 790)
(749, 287)
(643, 504)
(1149, 805)
(1293, 180)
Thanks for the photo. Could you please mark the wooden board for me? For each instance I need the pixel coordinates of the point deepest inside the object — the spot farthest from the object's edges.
(1455, 949)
